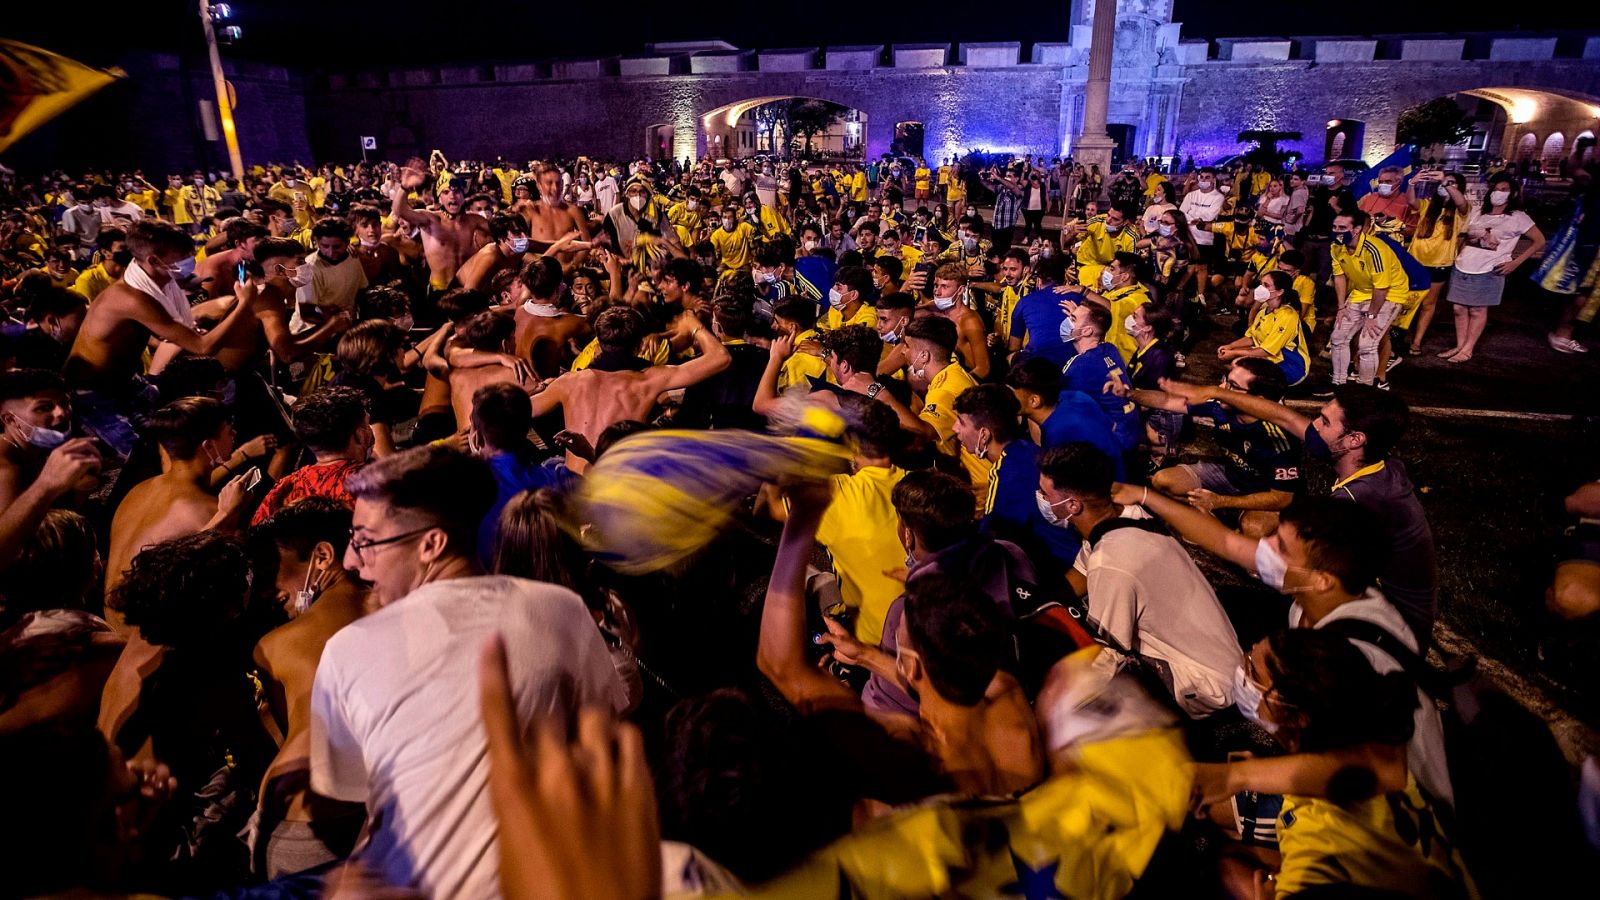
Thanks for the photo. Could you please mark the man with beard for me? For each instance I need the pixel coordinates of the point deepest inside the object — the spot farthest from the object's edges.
(331, 277)
(449, 236)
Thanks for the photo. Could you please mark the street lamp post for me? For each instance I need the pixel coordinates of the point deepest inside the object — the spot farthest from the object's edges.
(224, 106)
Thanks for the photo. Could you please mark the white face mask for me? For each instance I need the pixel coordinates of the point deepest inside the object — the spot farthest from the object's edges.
(1165, 230)
(1048, 510)
(1249, 698)
(810, 245)
(691, 205)
(1499, 198)
(1443, 192)
(301, 277)
(1130, 325)
(767, 278)
(636, 202)
(1270, 567)
(1261, 292)
(1105, 279)
(1206, 185)
(835, 299)
(1067, 330)
(944, 302)
(369, 243)
(1385, 190)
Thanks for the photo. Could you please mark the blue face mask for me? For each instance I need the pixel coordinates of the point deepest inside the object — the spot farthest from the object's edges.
(519, 245)
(1344, 238)
(183, 269)
(46, 438)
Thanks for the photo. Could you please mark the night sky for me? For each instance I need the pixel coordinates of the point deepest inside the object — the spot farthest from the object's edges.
(322, 33)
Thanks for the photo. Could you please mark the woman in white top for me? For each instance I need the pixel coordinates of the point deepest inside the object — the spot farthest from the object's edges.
(1488, 254)
(1160, 202)
(1273, 208)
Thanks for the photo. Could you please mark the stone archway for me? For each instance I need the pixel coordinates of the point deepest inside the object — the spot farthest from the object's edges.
(759, 125)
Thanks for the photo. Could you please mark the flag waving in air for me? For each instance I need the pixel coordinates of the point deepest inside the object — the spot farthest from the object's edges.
(37, 85)
(1404, 157)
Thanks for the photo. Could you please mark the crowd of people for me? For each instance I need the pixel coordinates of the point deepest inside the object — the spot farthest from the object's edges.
(383, 529)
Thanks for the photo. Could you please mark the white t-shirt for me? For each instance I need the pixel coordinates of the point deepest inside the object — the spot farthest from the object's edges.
(1491, 240)
(396, 722)
(1202, 206)
(1152, 216)
(605, 193)
(333, 285)
(1147, 593)
(1425, 754)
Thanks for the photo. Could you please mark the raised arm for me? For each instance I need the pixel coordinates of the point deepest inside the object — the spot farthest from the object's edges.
(713, 358)
(1191, 524)
(766, 400)
(410, 180)
(152, 316)
(63, 469)
(781, 654)
(1260, 407)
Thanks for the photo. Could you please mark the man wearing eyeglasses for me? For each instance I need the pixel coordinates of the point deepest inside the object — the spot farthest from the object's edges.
(389, 687)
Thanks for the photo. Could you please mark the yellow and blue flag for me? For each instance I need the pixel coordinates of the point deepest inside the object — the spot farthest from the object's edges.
(37, 85)
(1404, 156)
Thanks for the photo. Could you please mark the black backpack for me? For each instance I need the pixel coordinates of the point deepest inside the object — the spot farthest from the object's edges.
(1516, 815)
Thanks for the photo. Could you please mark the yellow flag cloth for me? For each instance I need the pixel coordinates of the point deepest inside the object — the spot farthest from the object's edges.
(37, 85)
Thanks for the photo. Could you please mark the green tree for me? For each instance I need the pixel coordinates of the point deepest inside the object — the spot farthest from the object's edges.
(809, 118)
(1439, 121)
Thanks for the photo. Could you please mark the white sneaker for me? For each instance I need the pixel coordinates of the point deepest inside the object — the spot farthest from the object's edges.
(1395, 361)
(1565, 345)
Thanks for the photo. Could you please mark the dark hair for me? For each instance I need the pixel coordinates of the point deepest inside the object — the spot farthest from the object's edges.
(1080, 468)
(368, 349)
(502, 414)
(1266, 379)
(1020, 256)
(1099, 317)
(275, 248)
(867, 228)
(991, 406)
(190, 376)
(459, 303)
(1513, 203)
(382, 302)
(858, 345)
(616, 432)
(54, 568)
(304, 525)
(332, 227)
(1358, 218)
(488, 330)
(897, 299)
(1130, 213)
(732, 316)
(938, 508)
(153, 236)
(504, 226)
(327, 419)
(1344, 700)
(936, 330)
(687, 273)
(797, 309)
(959, 635)
(621, 328)
(1040, 376)
(1293, 257)
(452, 488)
(183, 592)
(856, 278)
(1346, 540)
(1280, 279)
(775, 253)
(1380, 415)
(874, 425)
(542, 277)
(891, 267)
(239, 229)
(1160, 319)
(183, 425)
(19, 384)
(365, 214)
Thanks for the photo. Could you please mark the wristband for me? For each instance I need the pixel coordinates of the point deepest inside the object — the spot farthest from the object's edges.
(873, 389)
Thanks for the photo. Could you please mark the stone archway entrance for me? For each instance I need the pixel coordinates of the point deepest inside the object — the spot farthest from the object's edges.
(784, 126)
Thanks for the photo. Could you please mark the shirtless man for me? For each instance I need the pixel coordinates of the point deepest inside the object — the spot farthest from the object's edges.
(550, 216)
(449, 236)
(973, 347)
(107, 353)
(36, 418)
(485, 335)
(193, 435)
(547, 336)
(219, 271)
(619, 385)
(269, 291)
(506, 249)
(308, 540)
(380, 261)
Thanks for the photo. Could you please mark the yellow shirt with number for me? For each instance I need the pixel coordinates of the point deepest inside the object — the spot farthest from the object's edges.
(686, 222)
(859, 531)
(1390, 843)
(938, 410)
(1124, 300)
